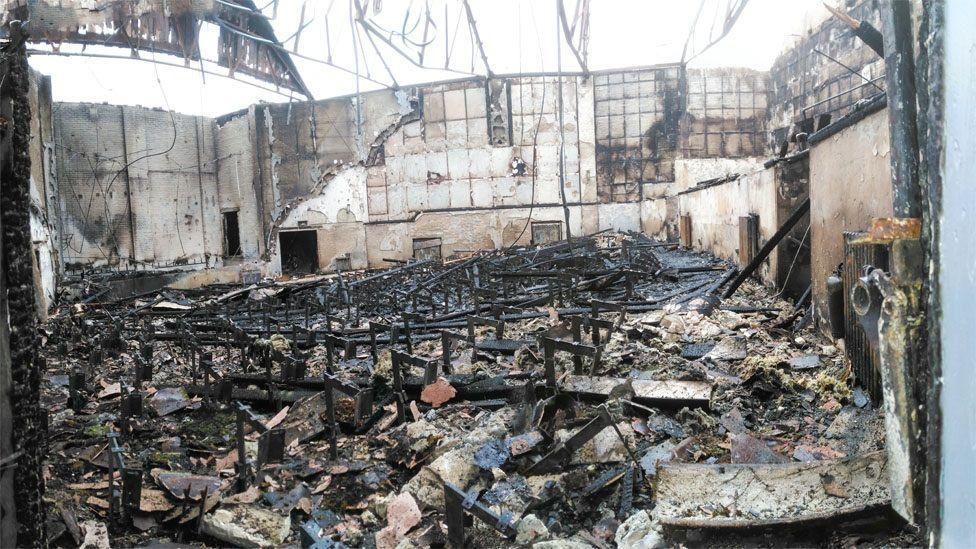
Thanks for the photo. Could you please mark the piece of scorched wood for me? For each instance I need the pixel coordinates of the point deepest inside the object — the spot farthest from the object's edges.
(748, 496)
(668, 393)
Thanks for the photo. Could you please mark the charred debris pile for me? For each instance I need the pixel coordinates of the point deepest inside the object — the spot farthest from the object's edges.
(592, 393)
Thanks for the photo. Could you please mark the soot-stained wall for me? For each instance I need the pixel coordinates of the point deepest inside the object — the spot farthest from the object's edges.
(138, 187)
(373, 174)
(805, 83)
(648, 120)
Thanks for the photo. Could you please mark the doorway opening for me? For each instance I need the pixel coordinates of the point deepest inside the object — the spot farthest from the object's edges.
(299, 252)
(232, 235)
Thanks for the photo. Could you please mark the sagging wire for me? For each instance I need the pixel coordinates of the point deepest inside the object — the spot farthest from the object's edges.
(538, 124)
(146, 156)
(789, 272)
(733, 9)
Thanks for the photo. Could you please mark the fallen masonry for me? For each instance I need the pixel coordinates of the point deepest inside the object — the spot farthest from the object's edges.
(565, 395)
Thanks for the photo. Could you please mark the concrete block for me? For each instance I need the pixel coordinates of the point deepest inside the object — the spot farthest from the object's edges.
(417, 196)
(413, 145)
(600, 92)
(433, 106)
(616, 126)
(394, 143)
(457, 164)
(376, 201)
(475, 102)
(437, 164)
(503, 191)
(572, 183)
(412, 129)
(375, 177)
(631, 90)
(546, 191)
(439, 196)
(477, 132)
(482, 193)
(396, 200)
(434, 132)
(454, 105)
(460, 192)
(394, 169)
(501, 162)
(480, 162)
(457, 134)
(632, 105)
(415, 167)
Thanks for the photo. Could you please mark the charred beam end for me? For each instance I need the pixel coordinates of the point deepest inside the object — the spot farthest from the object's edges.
(802, 210)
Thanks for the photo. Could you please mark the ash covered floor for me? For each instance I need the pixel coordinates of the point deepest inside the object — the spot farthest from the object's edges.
(593, 394)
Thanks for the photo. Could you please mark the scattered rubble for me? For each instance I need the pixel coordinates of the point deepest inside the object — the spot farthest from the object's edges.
(551, 395)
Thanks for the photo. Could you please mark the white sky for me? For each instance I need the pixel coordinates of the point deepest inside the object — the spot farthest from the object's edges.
(519, 36)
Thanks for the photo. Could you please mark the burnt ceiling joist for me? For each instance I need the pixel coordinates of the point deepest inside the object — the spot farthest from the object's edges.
(246, 42)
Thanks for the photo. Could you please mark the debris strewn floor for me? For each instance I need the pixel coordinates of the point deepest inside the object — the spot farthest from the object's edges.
(593, 394)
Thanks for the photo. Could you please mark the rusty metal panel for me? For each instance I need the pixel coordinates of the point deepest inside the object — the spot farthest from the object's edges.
(865, 359)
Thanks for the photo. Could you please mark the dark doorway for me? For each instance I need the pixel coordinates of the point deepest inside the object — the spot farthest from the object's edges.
(299, 252)
(232, 235)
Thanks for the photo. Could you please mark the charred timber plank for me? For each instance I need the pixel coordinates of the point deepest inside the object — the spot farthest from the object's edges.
(664, 394)
(788, 495)
(504, 346)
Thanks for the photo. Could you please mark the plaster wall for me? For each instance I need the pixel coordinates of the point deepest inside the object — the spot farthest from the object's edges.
(461, 232)
(715, 213)
(850, 184)
(137, 187)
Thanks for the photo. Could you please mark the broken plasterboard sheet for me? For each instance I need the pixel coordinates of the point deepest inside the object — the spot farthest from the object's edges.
(690, 495)
(670, 392)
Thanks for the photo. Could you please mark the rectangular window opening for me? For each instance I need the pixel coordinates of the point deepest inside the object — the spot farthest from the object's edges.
(299, 252)
(427, 248)
(546, 232)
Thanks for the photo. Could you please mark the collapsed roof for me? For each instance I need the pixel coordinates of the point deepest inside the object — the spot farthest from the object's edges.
(246, 40)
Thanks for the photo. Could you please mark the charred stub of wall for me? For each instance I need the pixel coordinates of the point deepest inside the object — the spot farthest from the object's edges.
(638, 114)
(22, 395)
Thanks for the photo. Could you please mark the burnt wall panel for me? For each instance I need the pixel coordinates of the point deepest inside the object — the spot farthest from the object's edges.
(726, 114)
(637, 118)
(94, 205)
(805, 84)
(129, 175)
